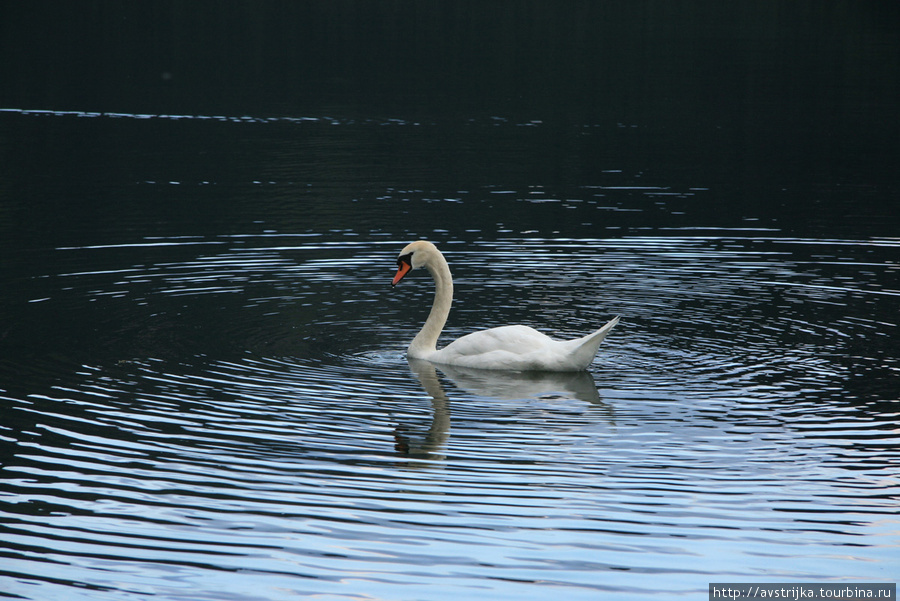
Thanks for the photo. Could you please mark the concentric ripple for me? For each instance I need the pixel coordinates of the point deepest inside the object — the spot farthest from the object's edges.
(248, 424)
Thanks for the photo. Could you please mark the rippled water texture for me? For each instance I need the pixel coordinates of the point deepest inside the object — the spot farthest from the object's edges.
(205, 393)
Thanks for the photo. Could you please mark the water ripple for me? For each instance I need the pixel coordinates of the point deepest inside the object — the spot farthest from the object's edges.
(722, 430)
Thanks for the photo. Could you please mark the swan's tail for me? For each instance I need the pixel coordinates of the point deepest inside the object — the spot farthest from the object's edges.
(584, 349)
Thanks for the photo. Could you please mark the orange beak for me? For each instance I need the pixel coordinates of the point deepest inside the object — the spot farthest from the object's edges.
(403, 267)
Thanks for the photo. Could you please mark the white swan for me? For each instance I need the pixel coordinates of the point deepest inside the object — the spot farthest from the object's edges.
(508, 347)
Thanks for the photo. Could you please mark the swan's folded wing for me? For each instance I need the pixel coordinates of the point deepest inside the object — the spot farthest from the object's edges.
(508, 347)
(523, 349)
(513, 339)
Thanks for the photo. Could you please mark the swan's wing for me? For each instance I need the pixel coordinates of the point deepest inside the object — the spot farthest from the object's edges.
(512, 339)
(507, 347)
(521, 348)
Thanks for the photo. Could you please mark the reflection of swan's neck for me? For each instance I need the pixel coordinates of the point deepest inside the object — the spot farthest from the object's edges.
(425, 341)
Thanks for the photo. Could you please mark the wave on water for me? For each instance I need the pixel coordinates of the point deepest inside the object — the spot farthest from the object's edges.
(250, 119)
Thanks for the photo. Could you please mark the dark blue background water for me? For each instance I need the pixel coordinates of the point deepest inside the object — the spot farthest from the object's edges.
(203, 388)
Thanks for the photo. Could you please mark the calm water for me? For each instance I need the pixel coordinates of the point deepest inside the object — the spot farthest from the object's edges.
(202, 375)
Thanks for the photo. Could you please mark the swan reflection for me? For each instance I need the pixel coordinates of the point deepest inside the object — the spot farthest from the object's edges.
(490, 384)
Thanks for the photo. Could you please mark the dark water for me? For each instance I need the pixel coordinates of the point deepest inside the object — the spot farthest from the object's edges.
(203, 387)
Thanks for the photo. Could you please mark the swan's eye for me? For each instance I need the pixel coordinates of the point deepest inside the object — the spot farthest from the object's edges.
(404, 260)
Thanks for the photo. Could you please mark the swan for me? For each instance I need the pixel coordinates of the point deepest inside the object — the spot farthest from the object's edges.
(515, 348)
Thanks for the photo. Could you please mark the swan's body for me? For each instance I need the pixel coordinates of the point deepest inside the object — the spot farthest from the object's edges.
(507, 347)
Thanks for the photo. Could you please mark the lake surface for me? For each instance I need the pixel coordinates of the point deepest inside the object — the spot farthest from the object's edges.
(203, 382)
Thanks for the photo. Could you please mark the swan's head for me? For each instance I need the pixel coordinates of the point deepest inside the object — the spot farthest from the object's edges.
(413, 256)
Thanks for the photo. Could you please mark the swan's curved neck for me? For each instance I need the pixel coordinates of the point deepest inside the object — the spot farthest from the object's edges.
(425, 341)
